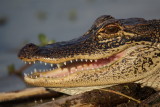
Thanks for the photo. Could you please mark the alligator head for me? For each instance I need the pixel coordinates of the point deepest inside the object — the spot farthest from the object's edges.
(113, 51)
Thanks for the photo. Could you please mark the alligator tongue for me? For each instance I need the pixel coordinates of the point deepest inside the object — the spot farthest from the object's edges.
(80, 66)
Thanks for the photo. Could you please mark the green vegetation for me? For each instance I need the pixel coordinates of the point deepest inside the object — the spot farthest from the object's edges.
(11, 68)
(73, 15)
(43, 40)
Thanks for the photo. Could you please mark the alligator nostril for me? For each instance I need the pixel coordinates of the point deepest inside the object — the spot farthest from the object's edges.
(30, 45)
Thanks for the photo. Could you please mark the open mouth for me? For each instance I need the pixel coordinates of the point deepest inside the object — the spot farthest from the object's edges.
(73, 66)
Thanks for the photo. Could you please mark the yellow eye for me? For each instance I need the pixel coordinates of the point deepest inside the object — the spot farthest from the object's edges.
(111, 29)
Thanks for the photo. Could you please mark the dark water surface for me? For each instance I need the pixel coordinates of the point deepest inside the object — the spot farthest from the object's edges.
(23, 20)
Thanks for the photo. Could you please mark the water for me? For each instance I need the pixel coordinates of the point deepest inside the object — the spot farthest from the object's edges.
(58, 19)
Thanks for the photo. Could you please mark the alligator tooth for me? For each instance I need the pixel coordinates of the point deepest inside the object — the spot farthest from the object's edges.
(58, 65)
(34, 62)
(158, 45)
(71, 61)
(86, 60)
(81, 59)
(76, 69)
(95, 60)
(25, 74)
(29, 62)
(64, 63)
(35, 76)
(41, 100)
(40, 62)
(35, 70)
(25, 62)
(31, 72)
(76, 60)
(45, 63)
(44, 70)
(91, 60)
(51, 65)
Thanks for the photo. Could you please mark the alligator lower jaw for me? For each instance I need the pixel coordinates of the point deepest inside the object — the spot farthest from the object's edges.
(70, 67)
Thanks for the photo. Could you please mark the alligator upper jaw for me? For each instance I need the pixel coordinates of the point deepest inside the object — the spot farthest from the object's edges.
(68, 68)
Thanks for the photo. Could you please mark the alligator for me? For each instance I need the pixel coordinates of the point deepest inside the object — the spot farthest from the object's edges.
(113, 51)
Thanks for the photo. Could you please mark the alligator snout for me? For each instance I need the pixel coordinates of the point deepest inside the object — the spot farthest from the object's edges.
(27, 50)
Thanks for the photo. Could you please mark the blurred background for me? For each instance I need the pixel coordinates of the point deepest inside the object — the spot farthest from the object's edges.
(21, 21)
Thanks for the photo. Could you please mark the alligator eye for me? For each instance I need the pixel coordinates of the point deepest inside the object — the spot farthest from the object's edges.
(111, 29)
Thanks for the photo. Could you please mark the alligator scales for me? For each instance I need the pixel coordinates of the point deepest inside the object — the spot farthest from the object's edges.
(113, 51)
